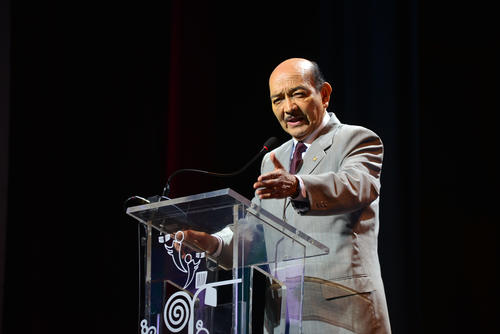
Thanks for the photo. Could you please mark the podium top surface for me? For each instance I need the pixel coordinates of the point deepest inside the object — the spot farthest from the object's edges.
(191, 212)
(214, 199)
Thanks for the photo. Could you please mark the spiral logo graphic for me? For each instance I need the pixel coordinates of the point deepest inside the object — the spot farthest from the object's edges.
(177, 311)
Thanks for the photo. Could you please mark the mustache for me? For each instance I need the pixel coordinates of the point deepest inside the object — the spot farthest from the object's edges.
(294, 117)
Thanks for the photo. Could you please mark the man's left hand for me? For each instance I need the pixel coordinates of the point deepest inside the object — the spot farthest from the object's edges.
(276, 184)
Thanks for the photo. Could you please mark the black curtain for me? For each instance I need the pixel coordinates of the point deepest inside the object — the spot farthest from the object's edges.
(108, 99)
(459, 84)
(4, 135)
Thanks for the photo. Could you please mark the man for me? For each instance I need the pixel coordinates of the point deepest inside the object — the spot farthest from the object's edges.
(325, 182)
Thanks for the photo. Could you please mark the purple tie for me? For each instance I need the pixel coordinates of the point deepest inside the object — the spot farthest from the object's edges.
(297, 157)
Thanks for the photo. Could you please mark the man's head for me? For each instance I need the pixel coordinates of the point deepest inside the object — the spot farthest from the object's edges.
(299, 96)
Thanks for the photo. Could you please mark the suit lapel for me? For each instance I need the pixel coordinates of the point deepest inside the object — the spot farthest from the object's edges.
(317, 150)
(283, 155)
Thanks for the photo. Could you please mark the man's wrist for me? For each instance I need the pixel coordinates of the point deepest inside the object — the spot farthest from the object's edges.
(301, 193)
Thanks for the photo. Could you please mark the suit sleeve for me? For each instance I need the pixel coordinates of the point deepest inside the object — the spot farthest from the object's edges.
(354, 179)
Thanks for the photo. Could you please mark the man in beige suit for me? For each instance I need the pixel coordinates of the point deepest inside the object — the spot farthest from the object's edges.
(331, 194)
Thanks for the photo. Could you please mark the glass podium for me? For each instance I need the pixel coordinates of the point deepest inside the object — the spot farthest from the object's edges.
(254, 286)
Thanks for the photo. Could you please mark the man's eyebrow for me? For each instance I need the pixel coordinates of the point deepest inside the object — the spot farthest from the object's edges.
(290, 91)
(294, 89)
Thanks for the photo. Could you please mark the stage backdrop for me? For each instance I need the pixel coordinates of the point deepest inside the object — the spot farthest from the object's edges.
(108, 99)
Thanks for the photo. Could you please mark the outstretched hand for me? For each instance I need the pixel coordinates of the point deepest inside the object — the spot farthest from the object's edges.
(276, 184)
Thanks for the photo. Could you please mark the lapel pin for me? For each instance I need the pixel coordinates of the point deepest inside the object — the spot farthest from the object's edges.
(315, 158)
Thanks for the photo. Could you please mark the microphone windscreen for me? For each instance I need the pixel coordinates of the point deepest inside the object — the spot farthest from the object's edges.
(271, 144)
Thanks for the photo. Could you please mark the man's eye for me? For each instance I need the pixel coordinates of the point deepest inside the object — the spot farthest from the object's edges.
(298, 94)
(276, 101)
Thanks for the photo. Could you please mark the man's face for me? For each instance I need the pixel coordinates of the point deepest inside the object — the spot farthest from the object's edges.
(297, 105)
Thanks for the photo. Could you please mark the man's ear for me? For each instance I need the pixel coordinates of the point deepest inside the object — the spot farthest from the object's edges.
(326, 91)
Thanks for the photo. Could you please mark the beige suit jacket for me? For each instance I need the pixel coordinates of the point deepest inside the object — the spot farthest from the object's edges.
(343, 291)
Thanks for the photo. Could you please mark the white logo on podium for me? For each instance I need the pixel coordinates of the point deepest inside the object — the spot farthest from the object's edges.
(179, 308)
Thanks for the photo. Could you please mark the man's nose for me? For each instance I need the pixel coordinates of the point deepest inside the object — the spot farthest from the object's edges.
(289, 105)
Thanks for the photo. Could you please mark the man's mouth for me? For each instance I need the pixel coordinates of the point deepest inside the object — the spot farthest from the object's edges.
(292, 121)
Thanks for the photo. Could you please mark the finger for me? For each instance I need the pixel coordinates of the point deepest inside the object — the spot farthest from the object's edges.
(271, 175)
(277, 188)
(263, 191)
(269, 193)
(277, 164)
(266, 183)
(275, 191)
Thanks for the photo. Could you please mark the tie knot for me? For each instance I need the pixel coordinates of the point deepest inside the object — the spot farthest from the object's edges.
(300, 148)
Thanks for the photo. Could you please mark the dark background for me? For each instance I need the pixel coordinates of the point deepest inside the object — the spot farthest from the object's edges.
(103, 100)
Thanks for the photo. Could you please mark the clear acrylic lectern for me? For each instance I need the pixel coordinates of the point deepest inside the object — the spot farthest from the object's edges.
(257, 288)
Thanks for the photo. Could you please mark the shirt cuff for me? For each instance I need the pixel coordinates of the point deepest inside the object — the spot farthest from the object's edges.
(301, 203)
(219, 248)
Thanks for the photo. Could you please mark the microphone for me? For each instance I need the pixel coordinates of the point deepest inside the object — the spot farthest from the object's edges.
(268, 146)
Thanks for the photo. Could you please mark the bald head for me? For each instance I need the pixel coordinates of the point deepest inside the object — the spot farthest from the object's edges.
(309, 70)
